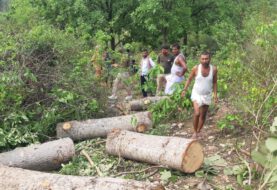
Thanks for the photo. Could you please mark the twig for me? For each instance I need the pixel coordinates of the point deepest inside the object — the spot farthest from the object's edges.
(83, 152)
(267, 178)
(100, 142)
(268, 95)
(247, 165)
(140, 171)
(245, 152)
(151, 174)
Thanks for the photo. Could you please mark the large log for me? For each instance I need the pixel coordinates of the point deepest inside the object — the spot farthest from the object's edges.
(43, 157)
(143, 104)
(81, 130)
(178, 153)
(21, 179)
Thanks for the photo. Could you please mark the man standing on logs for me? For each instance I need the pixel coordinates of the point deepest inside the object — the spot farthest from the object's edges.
(205, 76)
(146, 64)
(165, 59)
(178, 70)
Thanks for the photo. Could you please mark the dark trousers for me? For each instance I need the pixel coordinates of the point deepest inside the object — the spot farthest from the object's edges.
(142, 82)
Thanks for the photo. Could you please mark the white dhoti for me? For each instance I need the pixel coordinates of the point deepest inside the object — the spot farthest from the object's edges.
(171, 80)
(201, 99)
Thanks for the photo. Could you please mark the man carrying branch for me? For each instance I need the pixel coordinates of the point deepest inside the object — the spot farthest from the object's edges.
(205, 76)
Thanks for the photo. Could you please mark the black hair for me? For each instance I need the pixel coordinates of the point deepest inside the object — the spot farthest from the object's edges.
(206, 53)
(165, 46)
(176, 46)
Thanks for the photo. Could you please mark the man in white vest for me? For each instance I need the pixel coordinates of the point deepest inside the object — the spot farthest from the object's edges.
(204, 88)
(146, 64)
(177, 71)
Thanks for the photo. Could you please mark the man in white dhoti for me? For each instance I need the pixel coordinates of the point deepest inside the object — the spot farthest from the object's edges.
(177, 72)
(205, 84)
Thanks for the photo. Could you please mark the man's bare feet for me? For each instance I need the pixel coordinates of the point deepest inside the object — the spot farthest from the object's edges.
(194, 136)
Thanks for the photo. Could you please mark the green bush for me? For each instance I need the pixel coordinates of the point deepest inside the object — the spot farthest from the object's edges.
(46, 77)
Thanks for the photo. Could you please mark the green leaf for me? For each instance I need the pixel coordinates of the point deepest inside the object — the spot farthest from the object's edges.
(240, 179)
(271, 144)
(238, 169)
(259, 157)
(165, 175)
(199, 174)
(273, 128)
(228, 171)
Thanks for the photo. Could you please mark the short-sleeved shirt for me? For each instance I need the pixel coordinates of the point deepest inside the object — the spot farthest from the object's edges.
(166, 62)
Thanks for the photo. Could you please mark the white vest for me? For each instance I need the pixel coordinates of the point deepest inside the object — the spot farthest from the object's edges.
(203, 85)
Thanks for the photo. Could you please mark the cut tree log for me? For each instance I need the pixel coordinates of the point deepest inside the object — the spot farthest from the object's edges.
(81, 130)
(178, 153)
(21, 179)
(43, 157)
(143, 104)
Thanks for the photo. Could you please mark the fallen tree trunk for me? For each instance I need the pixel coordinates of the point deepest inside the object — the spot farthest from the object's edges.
(179, 153)
(143, 104)
(43, 157)
(20, 179)
(81, 130)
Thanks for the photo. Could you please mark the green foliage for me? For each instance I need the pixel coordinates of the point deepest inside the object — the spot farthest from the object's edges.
(165, 16)
(266, 155)
(39, 66)
(174, 107)
(151, 83)
(229, 122)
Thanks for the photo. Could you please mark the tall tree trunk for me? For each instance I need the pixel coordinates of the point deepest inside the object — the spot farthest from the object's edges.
(43, 157)
(165, 35)
(81, 130)
(20, 179)
(113, 45)
(185, 38)
(179, 153)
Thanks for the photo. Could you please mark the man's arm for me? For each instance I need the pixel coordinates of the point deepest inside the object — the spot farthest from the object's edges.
(182, 62)
(159, 59)
(215, 85)
(191, 76)
(151, 62)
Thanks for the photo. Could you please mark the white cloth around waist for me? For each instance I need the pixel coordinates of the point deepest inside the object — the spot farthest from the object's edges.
(204, 99)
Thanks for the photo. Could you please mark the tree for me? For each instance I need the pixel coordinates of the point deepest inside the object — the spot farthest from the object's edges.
(171, 18)
(87, 17)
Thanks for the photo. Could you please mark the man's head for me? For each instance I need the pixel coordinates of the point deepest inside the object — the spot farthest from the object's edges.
(175, 49)
(144, 53)
(165, 49)
(205, 58)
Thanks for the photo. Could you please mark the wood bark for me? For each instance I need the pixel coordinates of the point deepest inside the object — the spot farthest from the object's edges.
(143, 104)
(21, 179)
(43, 157)
(81, 130)
(178, 153)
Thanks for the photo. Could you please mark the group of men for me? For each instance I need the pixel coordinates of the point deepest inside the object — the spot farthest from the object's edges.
(175, 67)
